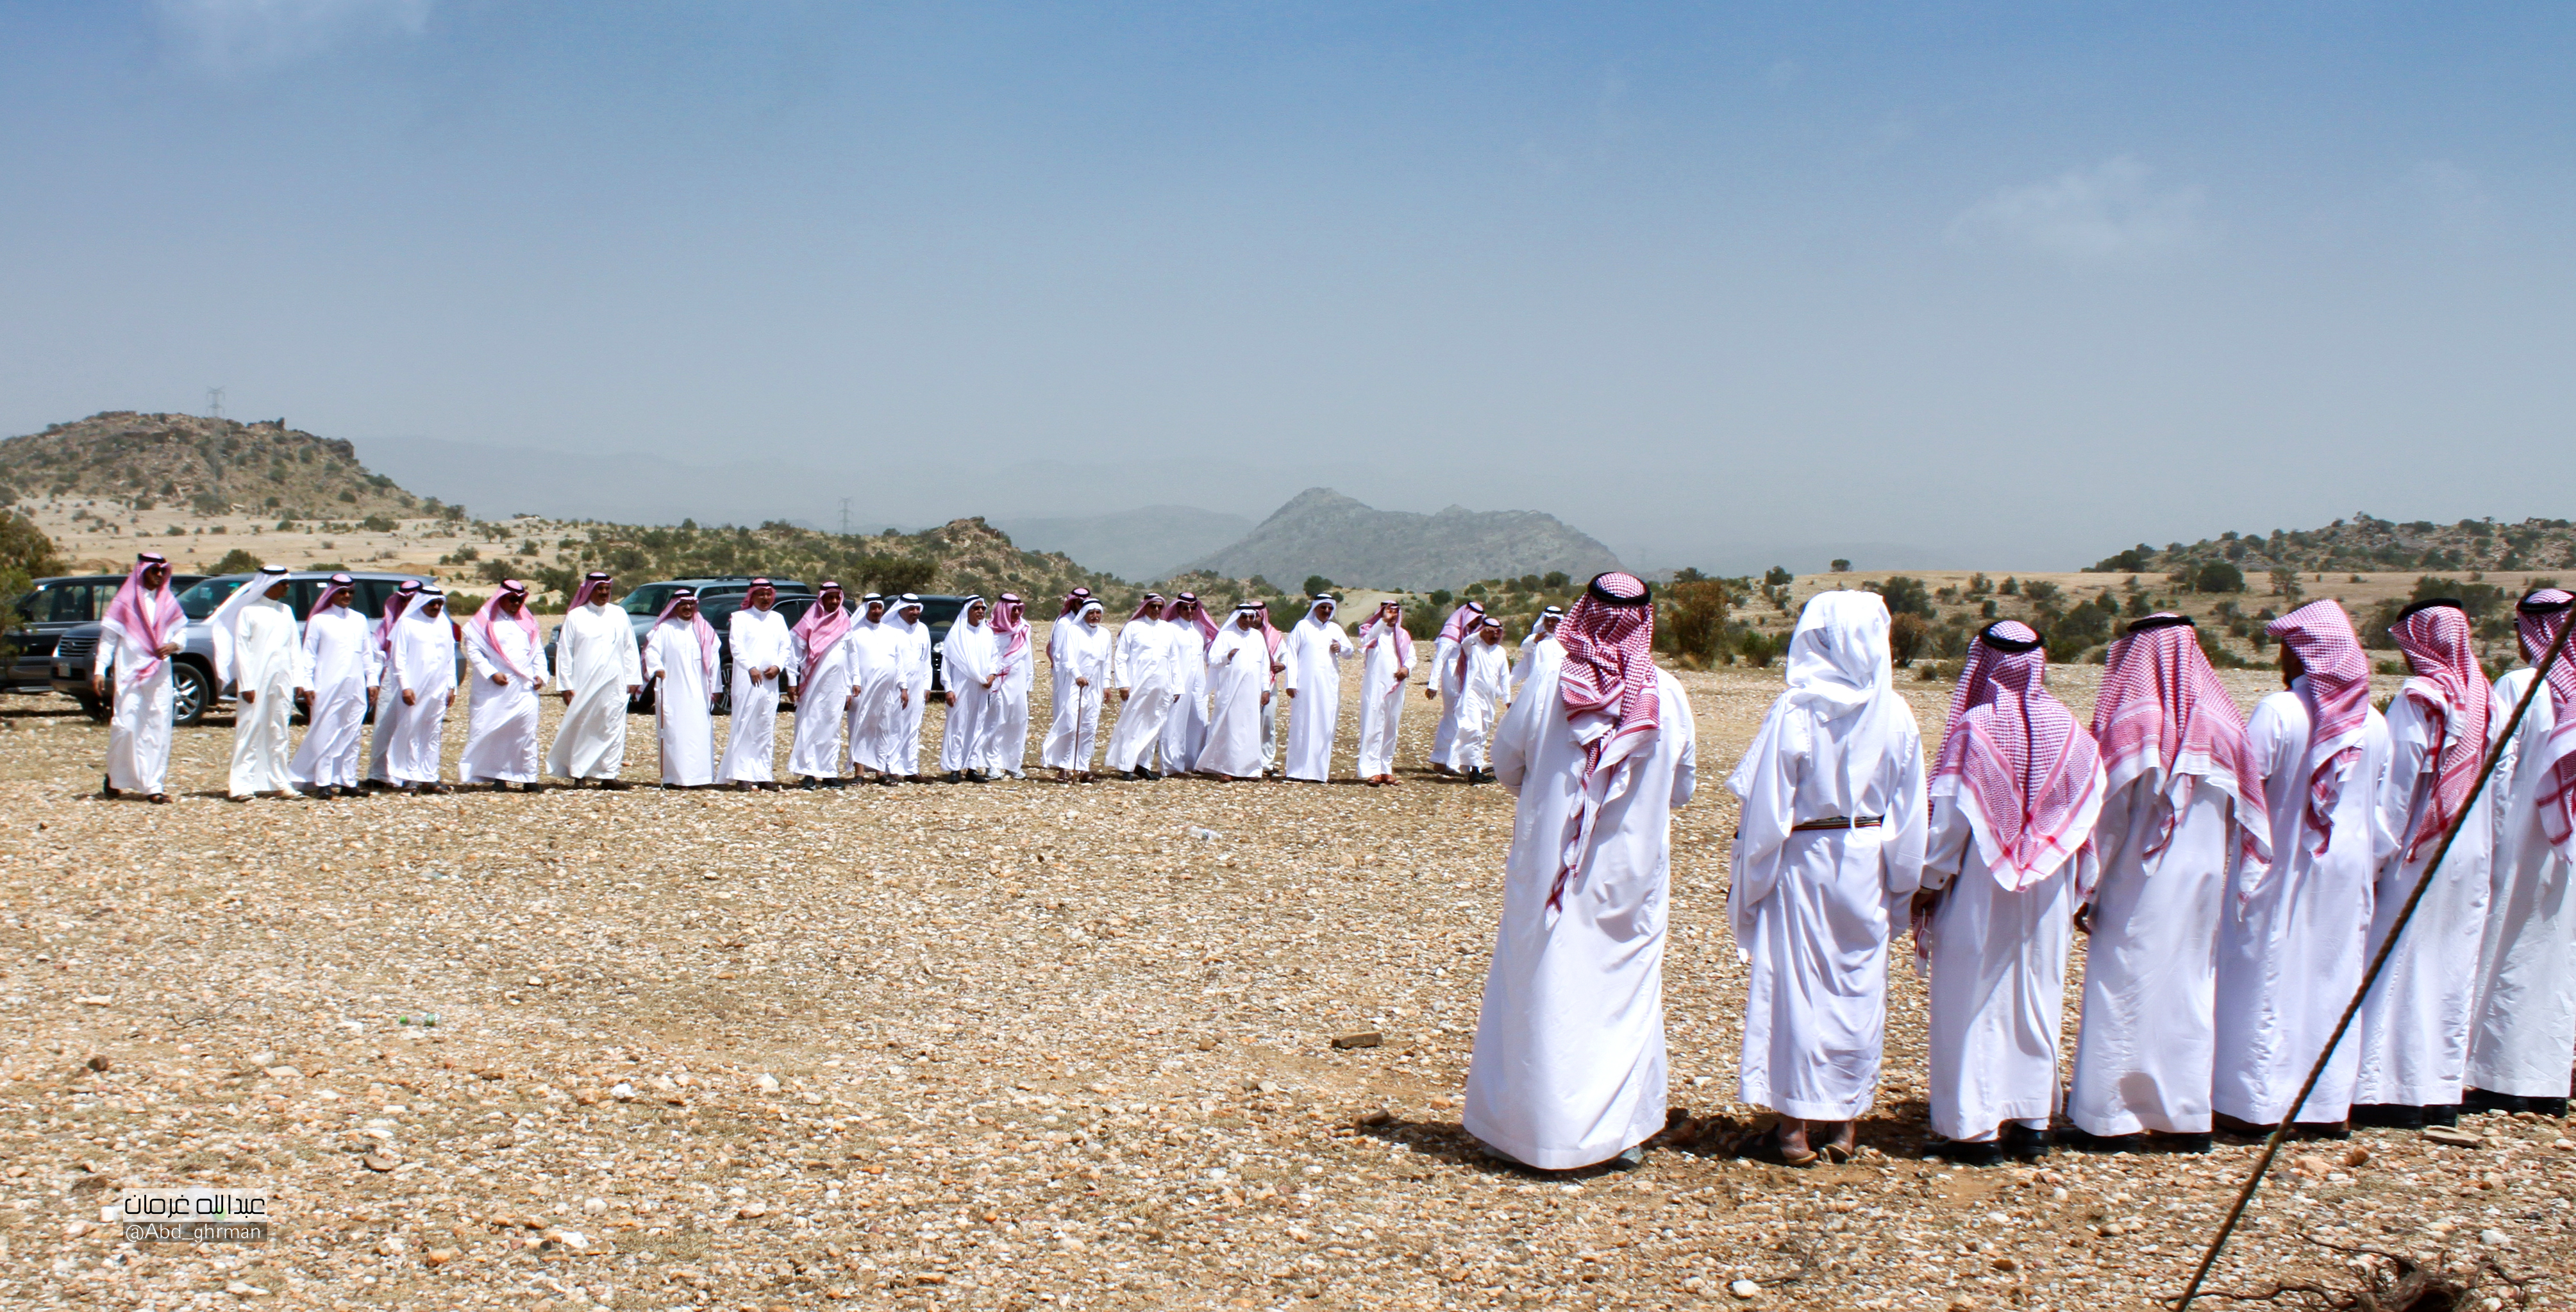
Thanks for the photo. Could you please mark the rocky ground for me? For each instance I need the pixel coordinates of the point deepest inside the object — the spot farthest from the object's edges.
(1012, 1046)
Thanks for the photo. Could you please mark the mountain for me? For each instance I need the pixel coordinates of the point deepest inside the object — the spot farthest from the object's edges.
(206, 466)
(1320, 531)
(2365, 544)
(1149, 542)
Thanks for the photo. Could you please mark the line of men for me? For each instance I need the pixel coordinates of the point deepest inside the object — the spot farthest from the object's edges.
(1193, 697)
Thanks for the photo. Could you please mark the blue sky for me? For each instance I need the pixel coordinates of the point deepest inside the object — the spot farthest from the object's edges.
(1922, 284)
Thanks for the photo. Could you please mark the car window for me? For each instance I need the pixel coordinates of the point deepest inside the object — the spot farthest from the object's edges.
(372, 595)
(937, 611)
(72, 603)
(201, 600)
(300, 595)
(794, 608)
(720, 610)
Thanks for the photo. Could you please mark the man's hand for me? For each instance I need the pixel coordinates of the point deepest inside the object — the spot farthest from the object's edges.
(2084, 918)
(1401, 674)
(1925, 899)
(566, 694)
(903, 697)
(1290, 691)
(948, 698)
(1430, 694)
(97, 686)
(632, 689)
(1081, 682)
(1122, 693)
(168, 649)
(250, 696)
(500, 679)
(372, 690)
(411, 697)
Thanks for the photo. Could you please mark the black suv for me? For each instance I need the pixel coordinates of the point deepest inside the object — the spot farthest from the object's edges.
(52, 608)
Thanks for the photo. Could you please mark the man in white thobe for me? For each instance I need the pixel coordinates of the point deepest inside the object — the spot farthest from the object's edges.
(821, 679)
(140, 633)
(509, 669)
(1143, 677)
(1569, 1065)
(344, 674)
(966, 665)
(912, 638)
(2290, 947)
(1079, 656)
(1536, 645)
(2523, 1036)
(1071, 607)
(598, 669)
(1484, 676)
(875, 662)
(1006, 716)
(1386, 660)
(2015, 794)
(1185, 729)
(680, 662)
(763, 653)
(1274, 639)
(2183, 803)
(1312, 682)
(380, 744)
(420, 669)
(1444, 662)
(258, 651)
(1828, 848)
(1238, 676)
(2414, 1025)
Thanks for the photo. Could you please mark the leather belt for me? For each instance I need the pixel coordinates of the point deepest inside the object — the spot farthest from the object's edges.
(1840, 822)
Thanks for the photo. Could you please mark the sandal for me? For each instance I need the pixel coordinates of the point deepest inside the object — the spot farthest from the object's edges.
(1766, 1147)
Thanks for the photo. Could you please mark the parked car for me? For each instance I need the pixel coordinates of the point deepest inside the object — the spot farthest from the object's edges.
(52, 608)
(193, 690)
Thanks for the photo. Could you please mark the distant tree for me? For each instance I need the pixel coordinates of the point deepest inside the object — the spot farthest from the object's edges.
(1907, 634)
(1841, 567)
(1979, 585)
(2039, 592)
(1776, 577)
(1758, 647)
(1555, 578)
(237, 561)
(1316, 584)
(2218, 576)
(1906, 595)
(2127, 562)
(378, 524)
(2285, 584)
(1440, 598)
(26, 555)
(2011, 587)
(1693, 623)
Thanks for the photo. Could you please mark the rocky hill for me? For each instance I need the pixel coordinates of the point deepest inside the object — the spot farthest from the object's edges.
(2364, 544)
(1322, 532)
(204, 466)
(962, 556)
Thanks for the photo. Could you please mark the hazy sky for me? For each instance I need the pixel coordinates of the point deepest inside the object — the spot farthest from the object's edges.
(1942, 284)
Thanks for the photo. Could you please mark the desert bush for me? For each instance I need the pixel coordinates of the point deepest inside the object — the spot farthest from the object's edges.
(1693, 622)
(1906, 595)
(237, 561)
(1758, 648)
(1907, 635)
(378, 524)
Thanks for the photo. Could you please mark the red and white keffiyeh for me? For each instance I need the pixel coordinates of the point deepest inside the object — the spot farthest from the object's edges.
(594, 587)
(822, 624)
(1455, 628)
(2338, 696)
(2027, 775)
(1073, 602)
(2540, 618)
(395, 607)
(1271, 637)
(1011, 625)
(340, 588)
(148, 615)
(1188, 609)
(491, 610)
(1381, 626)
(2457, 703)
(2164, 716)
(1608, 685)
(1148, 607)
(706, 633)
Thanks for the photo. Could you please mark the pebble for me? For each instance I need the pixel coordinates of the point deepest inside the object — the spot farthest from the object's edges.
(1744, 1289)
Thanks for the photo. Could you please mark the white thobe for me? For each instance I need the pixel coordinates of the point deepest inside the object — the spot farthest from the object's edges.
(1480, 702)
(1998, 988)
(501, 728)
(2414, 1026)
(1444, 677)
(1314, 652)
(268, 664)
(876, 669)
(1006, 713)
(1185, 729)
(684, 725)
(1079, 651)
(966, 661)
(380, 743)
(341, 661)
(138, 733)
(913, 644)
(1238, 676)
(422, 661)
(1812, 909)
(760, 641)
(2523, 1035)
(1144, 669)
(1569, 1060)
(596, 661)
(2290, 954)
(1535, 647)
(822, 707)
(1381, 704)
(2144, 1049)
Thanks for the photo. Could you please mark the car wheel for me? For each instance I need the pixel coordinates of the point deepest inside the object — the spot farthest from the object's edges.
(191, 692)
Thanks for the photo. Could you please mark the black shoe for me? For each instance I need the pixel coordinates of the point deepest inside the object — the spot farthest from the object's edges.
(1137, 774)
(531, 787)
(2180, 1144)
(1984, 1152)
(2027, 1144)
(2323, 1129)
(2479, 1100)
(2446, 1114)
(2387, 1116)
(2084, 1141)
(2553, 1108)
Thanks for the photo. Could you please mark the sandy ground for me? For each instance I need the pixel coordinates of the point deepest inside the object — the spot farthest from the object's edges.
(1009, 1046)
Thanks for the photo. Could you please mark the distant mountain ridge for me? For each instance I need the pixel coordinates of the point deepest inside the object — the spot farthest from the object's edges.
(1147, 543)
(2365, 543)
(206, 465)
(1321, 531)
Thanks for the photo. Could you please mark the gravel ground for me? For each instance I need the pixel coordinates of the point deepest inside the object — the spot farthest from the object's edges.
(1011, 1046)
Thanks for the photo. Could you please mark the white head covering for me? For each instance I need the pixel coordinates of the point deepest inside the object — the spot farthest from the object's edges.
(225, 623)
(1838, 658)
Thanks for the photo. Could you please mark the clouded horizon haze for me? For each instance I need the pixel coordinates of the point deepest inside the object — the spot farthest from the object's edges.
(1975, 286)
